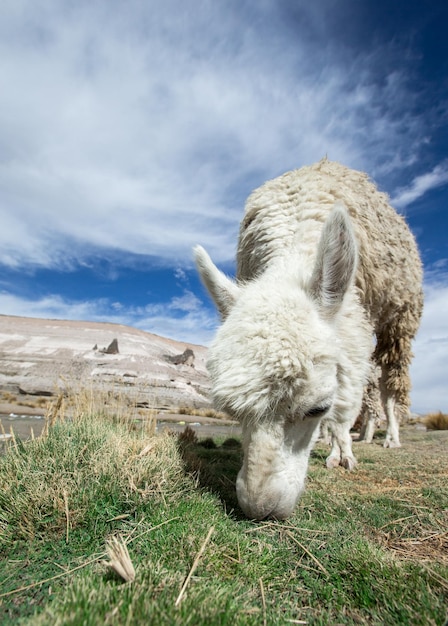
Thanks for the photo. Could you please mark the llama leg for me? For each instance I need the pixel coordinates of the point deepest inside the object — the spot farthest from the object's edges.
(371, 411)
(392, 433)
(393, 352)
(368, 418)
(341, 450)
(389, 398)
(367, 428)
(325, 432)
(334, 458)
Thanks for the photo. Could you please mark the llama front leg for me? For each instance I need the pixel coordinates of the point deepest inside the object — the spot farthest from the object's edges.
(341, 449)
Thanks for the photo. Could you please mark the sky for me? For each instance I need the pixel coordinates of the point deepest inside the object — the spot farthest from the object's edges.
(131, 131)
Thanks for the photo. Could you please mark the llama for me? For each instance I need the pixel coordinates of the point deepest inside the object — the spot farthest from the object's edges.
(327, 272)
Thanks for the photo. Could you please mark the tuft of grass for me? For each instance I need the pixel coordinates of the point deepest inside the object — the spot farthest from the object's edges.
(28, 401)
(35, 403)
(206, 412)
(9, 397)
(119, 559)
(363, 547)
(436, 421)
(81, 470)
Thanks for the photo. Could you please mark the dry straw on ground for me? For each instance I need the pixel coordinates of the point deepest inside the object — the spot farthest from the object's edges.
(120, 561)
(194, 566)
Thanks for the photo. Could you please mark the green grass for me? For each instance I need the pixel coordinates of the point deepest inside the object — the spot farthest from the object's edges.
(366, 547)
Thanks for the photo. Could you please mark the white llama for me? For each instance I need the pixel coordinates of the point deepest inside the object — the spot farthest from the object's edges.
(324, 265)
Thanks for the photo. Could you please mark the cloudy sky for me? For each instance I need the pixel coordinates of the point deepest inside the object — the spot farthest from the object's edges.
(130, 131)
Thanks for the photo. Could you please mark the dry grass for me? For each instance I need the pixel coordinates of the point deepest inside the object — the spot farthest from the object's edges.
(117, 406)
(33, 402)
(38, 403)
(8, 397)
(205, 412)
(119, 559)
(85, 436)
(436, 421)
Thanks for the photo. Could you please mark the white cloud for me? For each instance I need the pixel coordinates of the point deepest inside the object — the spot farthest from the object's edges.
(420, 185)
(51, 307)
(142, 127)
(429, 370)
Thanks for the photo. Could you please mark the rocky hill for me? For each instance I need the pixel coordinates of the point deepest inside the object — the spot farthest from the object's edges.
(40, 357)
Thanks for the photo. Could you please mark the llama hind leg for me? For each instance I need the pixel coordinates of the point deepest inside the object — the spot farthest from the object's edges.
(325, 433)
(367, 428)
(371, 410)
(393, 430)
(341, 448)
(393, 407)
(394, 354)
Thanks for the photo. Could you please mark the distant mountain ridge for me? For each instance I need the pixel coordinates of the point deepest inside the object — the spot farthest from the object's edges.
(41, 356)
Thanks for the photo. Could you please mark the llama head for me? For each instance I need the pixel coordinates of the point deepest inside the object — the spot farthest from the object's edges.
(274, 362)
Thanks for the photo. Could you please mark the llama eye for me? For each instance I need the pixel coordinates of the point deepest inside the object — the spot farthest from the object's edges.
(317, 411)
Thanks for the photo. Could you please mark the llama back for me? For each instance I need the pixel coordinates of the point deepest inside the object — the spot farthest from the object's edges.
(288, 213)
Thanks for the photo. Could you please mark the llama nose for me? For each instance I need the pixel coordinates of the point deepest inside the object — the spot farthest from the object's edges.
(256, 511)
(259, 511)
(252, 505)
(272, 503)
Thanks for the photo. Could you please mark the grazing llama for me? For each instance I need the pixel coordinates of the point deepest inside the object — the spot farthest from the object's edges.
(327, 272)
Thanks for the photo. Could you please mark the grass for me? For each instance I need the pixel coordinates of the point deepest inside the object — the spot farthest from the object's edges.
(367, 547)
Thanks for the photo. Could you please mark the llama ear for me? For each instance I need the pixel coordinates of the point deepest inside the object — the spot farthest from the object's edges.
(336, 261)
(223, 291)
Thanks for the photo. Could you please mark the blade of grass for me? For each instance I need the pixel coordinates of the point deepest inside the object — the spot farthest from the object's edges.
(67, 515)
(263, 601)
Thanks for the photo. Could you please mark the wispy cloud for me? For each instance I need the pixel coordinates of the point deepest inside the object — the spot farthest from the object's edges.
(52, 306)
(420, 185)
(143, 127)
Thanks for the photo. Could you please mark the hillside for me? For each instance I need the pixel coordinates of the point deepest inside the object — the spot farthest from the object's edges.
(40, 357)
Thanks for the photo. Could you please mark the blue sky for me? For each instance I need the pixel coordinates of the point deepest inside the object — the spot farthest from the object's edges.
(130, 131)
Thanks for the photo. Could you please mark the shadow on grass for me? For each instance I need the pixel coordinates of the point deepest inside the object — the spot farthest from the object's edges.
(319, 455)
(215, 467)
